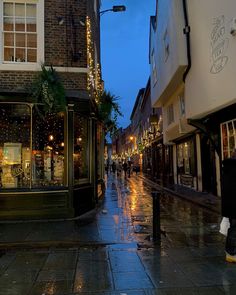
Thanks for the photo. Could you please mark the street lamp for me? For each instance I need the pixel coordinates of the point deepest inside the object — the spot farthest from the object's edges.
(116, 8)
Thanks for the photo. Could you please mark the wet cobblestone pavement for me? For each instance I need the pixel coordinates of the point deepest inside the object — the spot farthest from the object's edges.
(112, 252)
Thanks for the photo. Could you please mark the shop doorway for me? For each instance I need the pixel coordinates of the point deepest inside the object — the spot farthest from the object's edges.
(208, 166)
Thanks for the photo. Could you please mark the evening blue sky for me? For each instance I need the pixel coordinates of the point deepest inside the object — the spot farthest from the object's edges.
(124, 51)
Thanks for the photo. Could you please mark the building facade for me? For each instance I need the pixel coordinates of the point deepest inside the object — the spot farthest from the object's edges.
(192, 45)
(50, 161)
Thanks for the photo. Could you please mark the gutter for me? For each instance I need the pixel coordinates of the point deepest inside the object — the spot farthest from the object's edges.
(186, 31)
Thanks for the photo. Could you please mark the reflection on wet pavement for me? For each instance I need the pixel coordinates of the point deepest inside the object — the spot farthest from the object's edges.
(116, 255)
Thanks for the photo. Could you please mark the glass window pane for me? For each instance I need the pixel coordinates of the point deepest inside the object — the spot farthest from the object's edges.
(8, 9)
(31, 55)
(20, 9)
(8, 54)
(81, 149)
(20, 55)
(20, 25)
(48, 150)
(100, 152)
(31, 25)
(30, 10)
(8, 24)
(20, 40)
(32, 40)
(14, 146)
(8, 39)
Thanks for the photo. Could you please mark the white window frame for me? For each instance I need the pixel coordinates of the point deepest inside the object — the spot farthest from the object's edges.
(154, 69)
(40, 39)
(166, 45)
(170, 114)
(182, 105)
(227, 149)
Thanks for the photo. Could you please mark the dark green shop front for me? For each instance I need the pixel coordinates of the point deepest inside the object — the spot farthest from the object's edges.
(48, 167)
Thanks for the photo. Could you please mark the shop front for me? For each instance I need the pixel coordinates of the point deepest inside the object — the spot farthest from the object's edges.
(47, 167)
(186, 163)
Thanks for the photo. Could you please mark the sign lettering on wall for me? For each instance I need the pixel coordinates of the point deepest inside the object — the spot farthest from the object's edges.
(219, 45)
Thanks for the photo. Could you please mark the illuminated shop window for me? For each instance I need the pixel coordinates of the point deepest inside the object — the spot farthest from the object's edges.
(228, 139)
(48, 144)
(31, 156)
(19, 32)
(185, 158)
(14, 146)
(81, 149)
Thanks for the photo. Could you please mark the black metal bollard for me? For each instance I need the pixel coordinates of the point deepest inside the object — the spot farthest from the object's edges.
(156, 215)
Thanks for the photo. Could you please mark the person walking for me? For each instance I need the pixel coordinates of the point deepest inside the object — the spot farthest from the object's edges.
(125, 168)
(113, 167)
(229, 205)
(119, 168)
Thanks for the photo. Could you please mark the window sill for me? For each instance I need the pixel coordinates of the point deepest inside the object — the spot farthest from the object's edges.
(20, 67)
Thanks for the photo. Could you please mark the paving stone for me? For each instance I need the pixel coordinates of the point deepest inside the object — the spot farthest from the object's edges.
(56, 275)
(51, 287)
(125, 261)
(93, 276)
(57, 260)
(28, 260)
(185, 291)
(14, 289)
(5, 261)
(131, 280)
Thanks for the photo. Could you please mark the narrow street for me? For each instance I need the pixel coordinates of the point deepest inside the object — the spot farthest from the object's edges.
(112, 252)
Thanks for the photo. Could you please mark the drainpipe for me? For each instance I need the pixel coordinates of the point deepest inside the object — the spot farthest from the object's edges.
(186, 31)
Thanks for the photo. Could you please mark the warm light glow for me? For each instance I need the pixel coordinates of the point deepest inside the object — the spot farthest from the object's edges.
(62, 144)
(50, 137)
(131, 138)
(94, 82)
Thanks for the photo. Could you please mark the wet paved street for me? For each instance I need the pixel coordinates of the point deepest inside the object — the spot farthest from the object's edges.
(113, 253)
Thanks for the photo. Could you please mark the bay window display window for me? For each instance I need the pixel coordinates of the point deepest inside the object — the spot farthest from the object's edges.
(81, 149)
(19, 32)
(48, 163)
(228, 139)
(14, 146)
(31, 147)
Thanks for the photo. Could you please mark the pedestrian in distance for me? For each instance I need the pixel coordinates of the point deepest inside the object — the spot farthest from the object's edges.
(229, 204)
(113, 167)
(125, 168)
(107, 166)
(129, 168)
(119, 168)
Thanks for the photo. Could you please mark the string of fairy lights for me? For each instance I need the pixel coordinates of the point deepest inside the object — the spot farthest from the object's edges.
(94, 82)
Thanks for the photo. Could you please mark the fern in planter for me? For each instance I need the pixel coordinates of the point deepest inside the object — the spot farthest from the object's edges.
(49, 90)
(108, 111)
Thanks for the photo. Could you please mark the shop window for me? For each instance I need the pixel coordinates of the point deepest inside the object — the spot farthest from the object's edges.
(228, 139)
(185, 158)
(81, 149)
(31, 156)
(48, 149)
(100, 155)
(14, 146)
